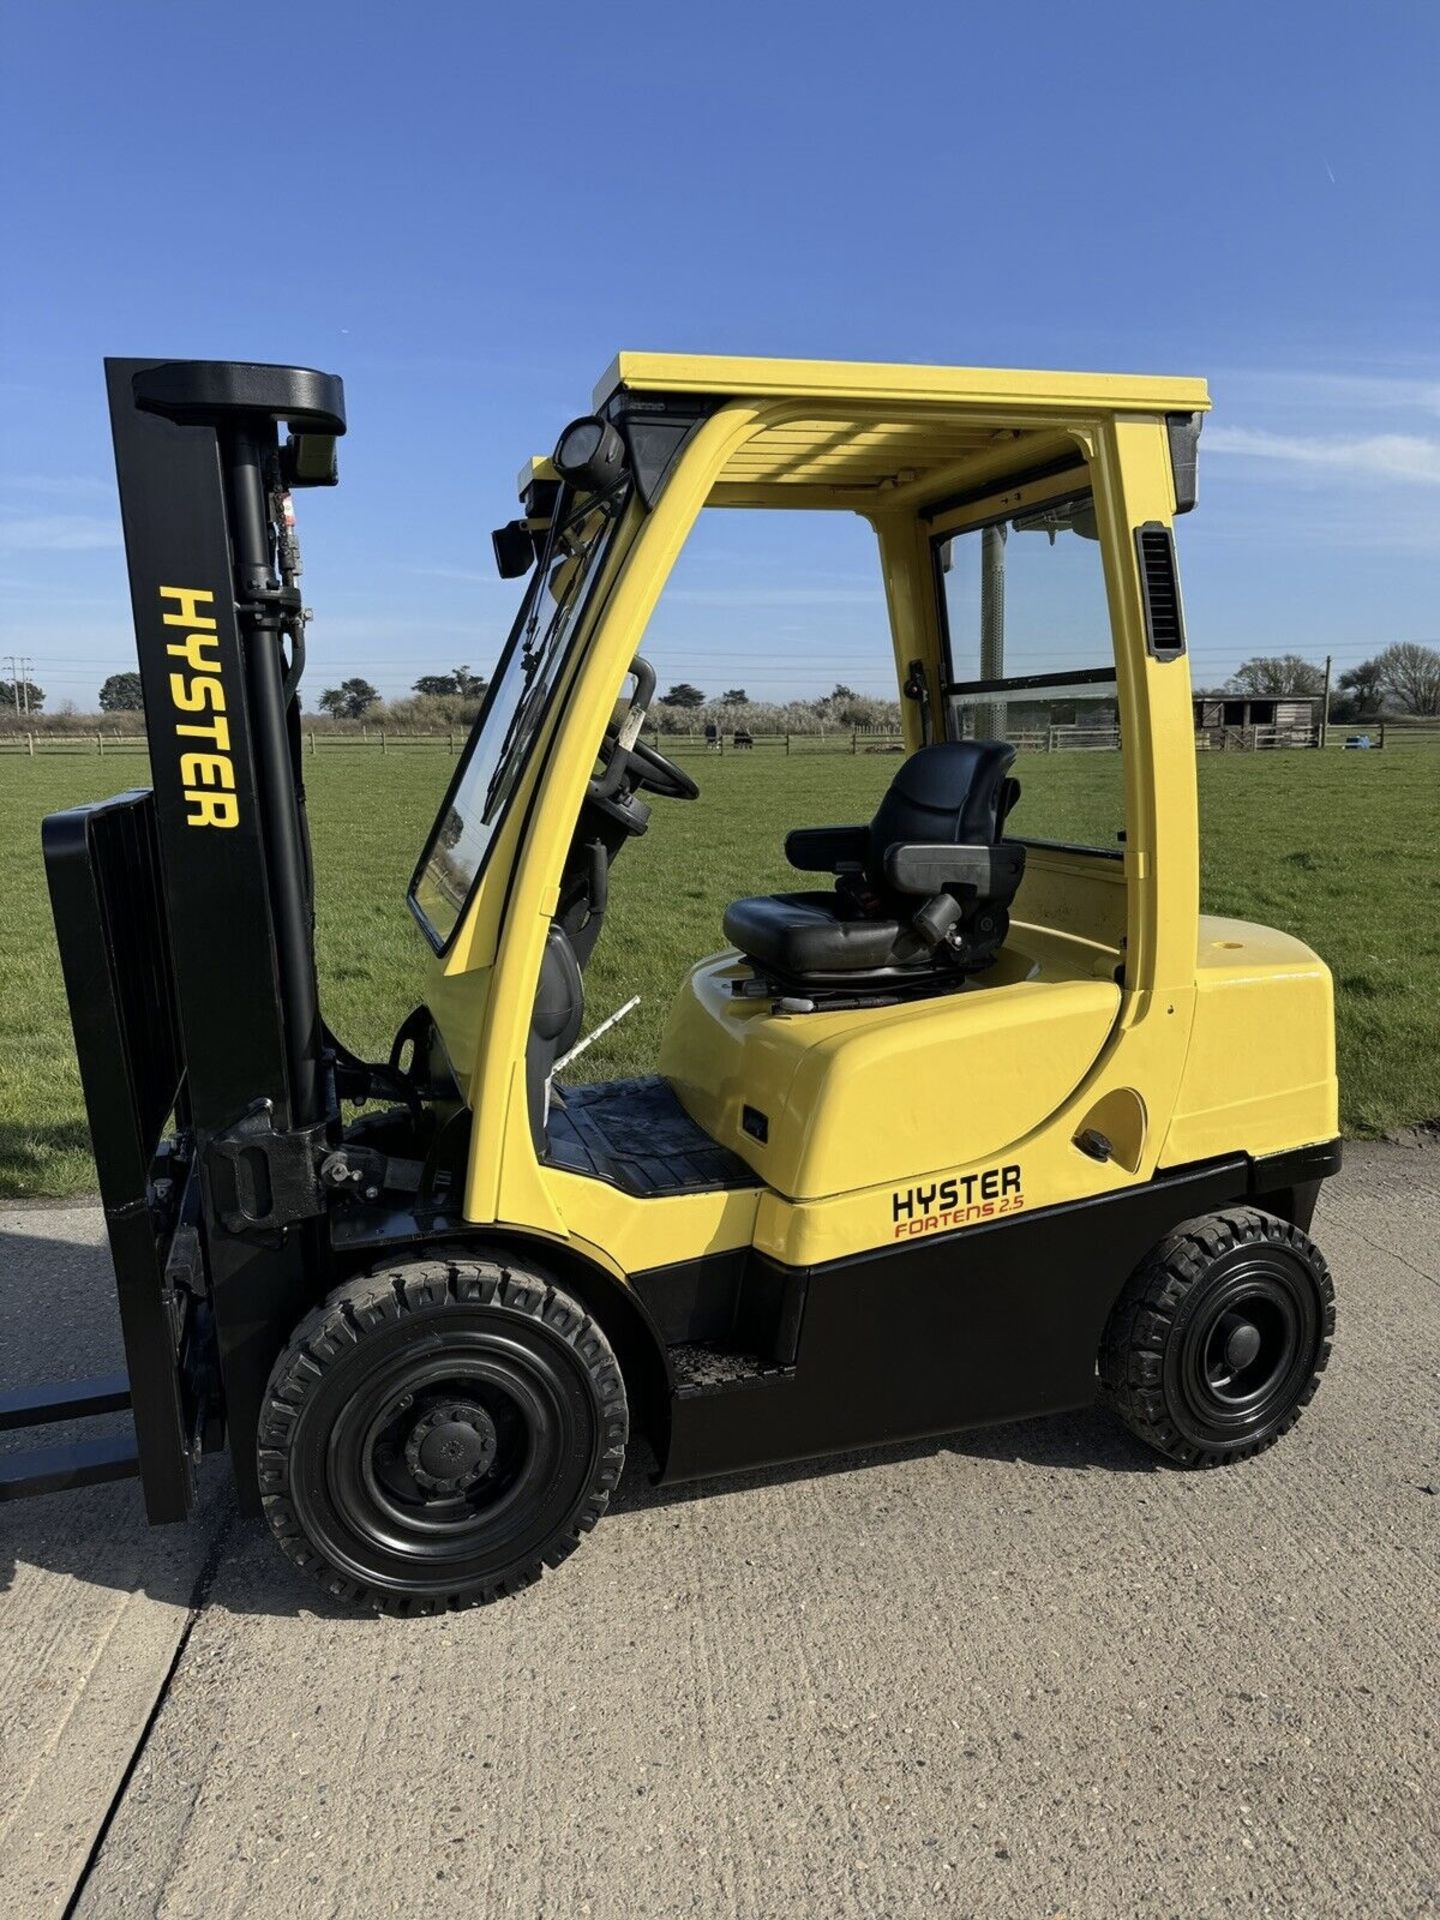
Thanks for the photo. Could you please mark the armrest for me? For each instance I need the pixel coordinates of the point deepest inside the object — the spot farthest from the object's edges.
(929, 869)
(827, 849)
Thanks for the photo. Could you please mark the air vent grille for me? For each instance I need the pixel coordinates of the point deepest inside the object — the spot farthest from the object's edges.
(1164, 620)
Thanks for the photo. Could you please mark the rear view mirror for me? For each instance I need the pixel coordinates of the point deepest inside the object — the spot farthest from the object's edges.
(514, 549)
(308, 460)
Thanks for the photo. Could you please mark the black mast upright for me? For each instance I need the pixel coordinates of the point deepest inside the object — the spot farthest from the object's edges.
(246, 455)
(202, 473)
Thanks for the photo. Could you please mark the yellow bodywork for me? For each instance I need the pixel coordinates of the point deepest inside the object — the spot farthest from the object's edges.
(926, 1075)
(1261, 996)
(1220, 1040)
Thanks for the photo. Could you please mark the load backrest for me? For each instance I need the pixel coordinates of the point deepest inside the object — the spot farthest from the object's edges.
(108, 896)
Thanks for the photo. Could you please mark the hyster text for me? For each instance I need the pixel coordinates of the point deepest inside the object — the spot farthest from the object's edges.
(954, 1203)
(198, 696)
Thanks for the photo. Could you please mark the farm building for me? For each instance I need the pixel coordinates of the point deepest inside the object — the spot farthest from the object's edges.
(1261, 720)
(1044, 723)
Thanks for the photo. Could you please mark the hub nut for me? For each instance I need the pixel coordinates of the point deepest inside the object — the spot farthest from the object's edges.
(451, 1447)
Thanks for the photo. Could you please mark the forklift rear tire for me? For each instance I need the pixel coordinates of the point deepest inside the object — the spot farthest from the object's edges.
(1220, 1338)
(437, 1434)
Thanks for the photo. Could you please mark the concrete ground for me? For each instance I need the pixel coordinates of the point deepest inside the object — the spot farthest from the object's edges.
(1029, 1672)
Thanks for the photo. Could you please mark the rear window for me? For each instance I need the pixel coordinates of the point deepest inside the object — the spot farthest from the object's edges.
(1031, 659)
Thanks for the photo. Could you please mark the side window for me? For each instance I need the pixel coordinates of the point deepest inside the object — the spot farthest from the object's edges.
(775, 690)
(1031, 659)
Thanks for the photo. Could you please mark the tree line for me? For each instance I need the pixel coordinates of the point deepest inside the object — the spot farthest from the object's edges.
(1401, 679)
(353, 699)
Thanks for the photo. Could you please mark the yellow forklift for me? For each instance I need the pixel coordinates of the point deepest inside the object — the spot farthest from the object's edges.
(984, 1118)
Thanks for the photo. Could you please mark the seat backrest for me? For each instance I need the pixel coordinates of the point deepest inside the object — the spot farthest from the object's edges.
(955, 793)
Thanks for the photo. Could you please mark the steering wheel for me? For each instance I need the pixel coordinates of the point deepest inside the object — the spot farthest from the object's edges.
(631, 762)
(650, 769)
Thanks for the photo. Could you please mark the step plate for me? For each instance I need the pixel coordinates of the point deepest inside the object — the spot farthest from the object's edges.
(700, 1369)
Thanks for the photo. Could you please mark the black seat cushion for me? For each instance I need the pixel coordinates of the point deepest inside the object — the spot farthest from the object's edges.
(954, 793)
(804, 933)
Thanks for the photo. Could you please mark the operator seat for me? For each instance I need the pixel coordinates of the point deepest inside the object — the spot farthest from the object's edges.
(921, 894)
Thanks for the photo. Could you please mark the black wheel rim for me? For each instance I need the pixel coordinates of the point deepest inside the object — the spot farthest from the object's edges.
(443, 1463)
(1246, 1352)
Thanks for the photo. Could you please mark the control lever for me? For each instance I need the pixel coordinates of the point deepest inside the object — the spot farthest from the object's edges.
(935, 919)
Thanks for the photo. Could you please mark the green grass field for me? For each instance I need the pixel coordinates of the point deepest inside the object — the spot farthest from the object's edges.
(1342, 849)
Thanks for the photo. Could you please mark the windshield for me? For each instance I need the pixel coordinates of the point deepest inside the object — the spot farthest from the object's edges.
(514, 710)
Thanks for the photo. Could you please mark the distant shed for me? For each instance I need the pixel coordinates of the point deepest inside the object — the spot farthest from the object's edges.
(1260, 720)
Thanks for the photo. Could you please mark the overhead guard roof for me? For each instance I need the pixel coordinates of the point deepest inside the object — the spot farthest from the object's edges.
(876, 382)
(890, 428)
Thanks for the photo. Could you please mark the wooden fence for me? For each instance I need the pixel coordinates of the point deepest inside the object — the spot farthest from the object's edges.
(853, 740)
(1254, 739)
(381, 739)
(387, 740)
(102, 743)
(833, 740)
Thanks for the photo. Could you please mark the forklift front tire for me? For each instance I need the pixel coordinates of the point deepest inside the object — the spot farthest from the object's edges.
(437, 1434)
(1220, 1338)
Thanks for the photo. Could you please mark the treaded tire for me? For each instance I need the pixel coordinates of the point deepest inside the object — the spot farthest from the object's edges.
(531, 1407)
(1209, 1292)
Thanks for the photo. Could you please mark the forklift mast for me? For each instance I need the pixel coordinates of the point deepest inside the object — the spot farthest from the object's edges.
(186, 926)
(204, 485)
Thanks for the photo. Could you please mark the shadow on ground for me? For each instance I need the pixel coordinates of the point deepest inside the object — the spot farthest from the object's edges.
(29, 1155)
(99, 1534)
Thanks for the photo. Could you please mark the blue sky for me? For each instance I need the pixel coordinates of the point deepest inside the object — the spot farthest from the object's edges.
(466, 210)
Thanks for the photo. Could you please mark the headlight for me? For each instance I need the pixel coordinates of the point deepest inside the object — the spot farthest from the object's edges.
(590, 454)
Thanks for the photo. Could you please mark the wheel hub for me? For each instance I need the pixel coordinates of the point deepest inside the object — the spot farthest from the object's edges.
(1242, 1342)
(451, 1446)
(1245, 1352)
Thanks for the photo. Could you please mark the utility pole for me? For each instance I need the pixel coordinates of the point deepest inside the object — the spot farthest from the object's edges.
(991, 719)
(21, 667)
(1325, 704)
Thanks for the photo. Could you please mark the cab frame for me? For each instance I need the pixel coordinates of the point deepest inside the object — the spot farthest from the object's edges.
(1121, 436)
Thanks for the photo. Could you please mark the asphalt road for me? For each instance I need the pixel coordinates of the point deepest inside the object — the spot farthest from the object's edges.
(1023, 1673)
